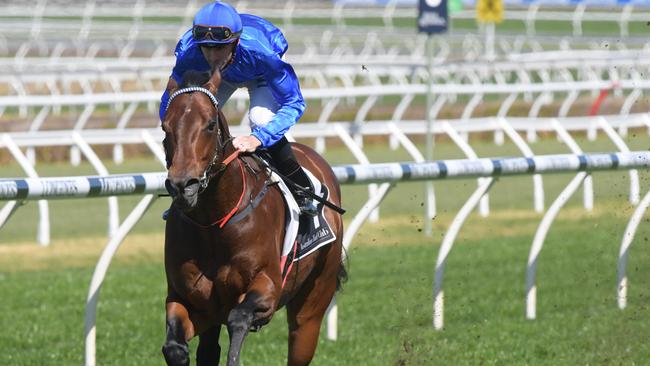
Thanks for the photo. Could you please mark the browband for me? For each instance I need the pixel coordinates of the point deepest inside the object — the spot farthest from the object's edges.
(190, 90)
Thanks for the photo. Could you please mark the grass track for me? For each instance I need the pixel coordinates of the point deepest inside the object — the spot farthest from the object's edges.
(385, 308)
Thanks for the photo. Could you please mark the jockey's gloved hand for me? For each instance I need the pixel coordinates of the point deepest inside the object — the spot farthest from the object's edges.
(246, 143)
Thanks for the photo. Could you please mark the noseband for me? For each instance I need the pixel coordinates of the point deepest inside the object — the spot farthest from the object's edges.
(206, 176)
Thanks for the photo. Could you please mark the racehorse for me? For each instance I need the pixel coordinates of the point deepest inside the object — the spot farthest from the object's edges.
(224, 235)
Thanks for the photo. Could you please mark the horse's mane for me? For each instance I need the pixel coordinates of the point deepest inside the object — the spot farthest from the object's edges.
(194, 78)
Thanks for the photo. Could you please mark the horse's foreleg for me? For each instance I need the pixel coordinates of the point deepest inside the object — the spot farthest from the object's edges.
(179, 330)
(209, 351)
(256, 309)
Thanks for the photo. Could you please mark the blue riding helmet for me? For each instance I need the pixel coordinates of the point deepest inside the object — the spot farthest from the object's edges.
(216, 23)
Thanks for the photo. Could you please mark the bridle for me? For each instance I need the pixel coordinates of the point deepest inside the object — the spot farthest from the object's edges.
(204, 180)
(234, 214)
(220, 149)
(192, 89)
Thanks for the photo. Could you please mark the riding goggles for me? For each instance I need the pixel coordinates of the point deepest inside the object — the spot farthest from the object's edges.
(211, 34)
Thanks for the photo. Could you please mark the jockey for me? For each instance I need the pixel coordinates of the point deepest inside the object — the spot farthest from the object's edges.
(248, 51)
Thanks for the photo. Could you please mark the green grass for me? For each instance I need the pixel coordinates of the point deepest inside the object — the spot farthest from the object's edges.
(385, 308)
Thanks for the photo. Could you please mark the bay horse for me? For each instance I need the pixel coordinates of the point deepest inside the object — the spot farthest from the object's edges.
(226, 271)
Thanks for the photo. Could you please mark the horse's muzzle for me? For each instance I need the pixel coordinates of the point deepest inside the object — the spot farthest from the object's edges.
(185, 192)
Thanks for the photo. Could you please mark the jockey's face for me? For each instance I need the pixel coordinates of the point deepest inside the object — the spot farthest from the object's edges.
(218, 55)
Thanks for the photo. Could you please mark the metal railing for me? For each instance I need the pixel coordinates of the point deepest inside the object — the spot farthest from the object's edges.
(84, 140)
(290, 12)
(77, 75)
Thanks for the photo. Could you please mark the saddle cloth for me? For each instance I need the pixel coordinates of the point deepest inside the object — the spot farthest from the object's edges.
(307, 233)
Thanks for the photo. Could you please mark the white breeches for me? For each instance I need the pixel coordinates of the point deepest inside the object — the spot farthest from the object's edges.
(262, 103)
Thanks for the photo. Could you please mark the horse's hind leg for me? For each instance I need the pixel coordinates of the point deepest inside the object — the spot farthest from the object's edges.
(304, 314)
(209, 351)
(179, 330)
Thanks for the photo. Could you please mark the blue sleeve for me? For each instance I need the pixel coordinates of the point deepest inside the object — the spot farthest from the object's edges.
(285, 88)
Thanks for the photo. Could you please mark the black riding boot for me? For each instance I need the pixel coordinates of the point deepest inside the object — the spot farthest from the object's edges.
(285, 161)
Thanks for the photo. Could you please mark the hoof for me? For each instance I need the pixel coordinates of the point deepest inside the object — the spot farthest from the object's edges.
(176, 354)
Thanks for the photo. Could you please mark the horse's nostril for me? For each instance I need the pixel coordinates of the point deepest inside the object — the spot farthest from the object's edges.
(184, 187)
(171, 188)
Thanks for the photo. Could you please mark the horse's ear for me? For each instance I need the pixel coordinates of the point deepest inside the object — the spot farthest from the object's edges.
(172, 86)
(213, 84)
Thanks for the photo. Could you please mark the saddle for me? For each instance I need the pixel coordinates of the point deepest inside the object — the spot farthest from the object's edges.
(303, 234)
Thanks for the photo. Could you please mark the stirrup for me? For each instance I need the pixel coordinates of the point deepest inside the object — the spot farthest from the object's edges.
(306, 205)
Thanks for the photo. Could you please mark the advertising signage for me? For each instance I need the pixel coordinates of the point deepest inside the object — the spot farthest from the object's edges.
(432, 16)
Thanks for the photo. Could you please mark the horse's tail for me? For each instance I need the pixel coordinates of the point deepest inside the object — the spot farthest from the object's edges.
(342, 275)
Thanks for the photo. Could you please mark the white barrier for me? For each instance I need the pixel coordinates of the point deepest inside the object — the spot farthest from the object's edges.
(331, 96)
(634, 88)
(389, 174)
(115, 75)
(90, 28)
(338, 14)
(512, 127)
(321, 46)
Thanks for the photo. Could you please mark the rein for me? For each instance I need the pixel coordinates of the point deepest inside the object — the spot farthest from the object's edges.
(206, 176)
(235, 214)
(224, 220)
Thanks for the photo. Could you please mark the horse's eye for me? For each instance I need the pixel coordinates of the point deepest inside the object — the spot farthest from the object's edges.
(211, 126)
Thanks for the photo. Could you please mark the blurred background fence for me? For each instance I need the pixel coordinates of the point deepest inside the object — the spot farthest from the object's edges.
(80, 82)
